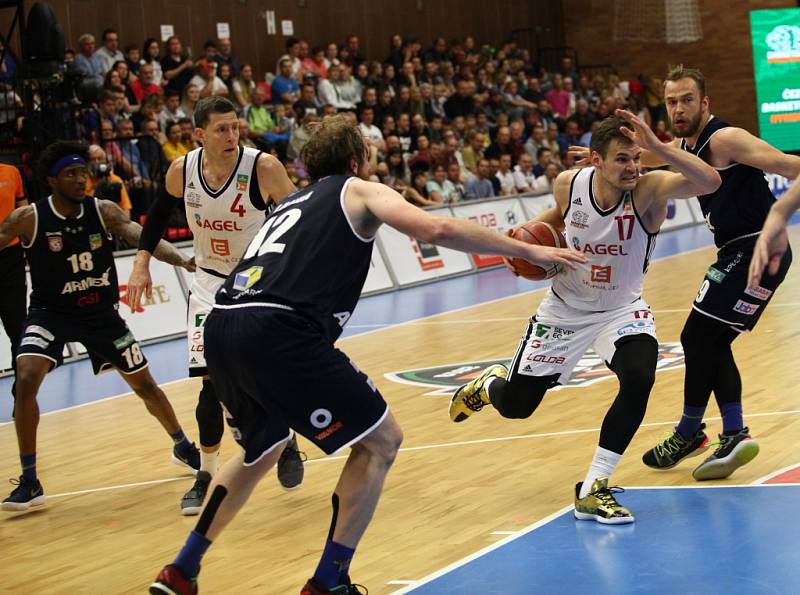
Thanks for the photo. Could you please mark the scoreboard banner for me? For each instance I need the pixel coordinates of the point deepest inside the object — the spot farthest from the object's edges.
(776, 64)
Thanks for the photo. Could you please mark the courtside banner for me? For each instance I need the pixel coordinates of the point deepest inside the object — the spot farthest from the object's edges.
(162, 316)
(413, 261)
(498, 215)
(378, 278)
(679, 214)
(534, 205)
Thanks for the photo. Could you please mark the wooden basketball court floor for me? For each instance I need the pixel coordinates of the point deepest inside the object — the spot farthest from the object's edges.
(113, 519)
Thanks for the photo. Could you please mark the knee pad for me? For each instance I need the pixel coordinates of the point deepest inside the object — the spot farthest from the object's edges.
(209, 415)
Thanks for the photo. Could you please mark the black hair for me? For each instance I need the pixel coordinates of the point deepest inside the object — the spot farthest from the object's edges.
(56, 151)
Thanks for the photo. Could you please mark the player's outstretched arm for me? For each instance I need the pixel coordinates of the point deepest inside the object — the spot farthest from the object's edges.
(273, 181)
(20, 223)
(369, 204)
(773, 241)
(736, 144)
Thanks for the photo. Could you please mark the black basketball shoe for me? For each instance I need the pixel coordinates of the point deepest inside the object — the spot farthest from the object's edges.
(674, 448)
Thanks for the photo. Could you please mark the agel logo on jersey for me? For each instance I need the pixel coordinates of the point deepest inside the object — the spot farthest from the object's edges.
(247, 278)
(591, 368)
(55, 241)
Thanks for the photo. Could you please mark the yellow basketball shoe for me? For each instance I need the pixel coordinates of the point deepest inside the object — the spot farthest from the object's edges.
(600, 505)
(471, 397)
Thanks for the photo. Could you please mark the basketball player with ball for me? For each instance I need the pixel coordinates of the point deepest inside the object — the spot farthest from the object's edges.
(611, 214)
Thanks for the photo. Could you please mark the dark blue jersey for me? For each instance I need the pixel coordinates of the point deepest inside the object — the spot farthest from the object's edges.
(740, 205)
(307, 257)
(71, 260)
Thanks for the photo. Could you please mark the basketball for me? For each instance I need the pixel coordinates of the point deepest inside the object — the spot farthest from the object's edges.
(541, 234)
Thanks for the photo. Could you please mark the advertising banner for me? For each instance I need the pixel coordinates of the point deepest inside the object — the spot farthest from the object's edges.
(498, 215)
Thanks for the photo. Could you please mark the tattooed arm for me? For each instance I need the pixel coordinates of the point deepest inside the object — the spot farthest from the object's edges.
(118, 222)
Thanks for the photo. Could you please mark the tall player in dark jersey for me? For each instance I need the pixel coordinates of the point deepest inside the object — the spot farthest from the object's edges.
(67, 239)
(725, 306)
(269, 346)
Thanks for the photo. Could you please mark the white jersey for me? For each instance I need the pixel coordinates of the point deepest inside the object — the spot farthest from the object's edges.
(617, 247)
(223, 222)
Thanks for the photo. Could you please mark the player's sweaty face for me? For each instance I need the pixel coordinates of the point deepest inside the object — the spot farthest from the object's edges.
(221, 135)
(71, 182)
(621, 165)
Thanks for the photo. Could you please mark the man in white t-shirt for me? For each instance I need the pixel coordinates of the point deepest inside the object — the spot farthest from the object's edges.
(207, 80)
(369, 130)
(506, 176)
(523, 174)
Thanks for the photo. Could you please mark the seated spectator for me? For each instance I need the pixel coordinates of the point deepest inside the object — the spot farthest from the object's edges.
(187, 134)
(244, 85)
(502, 144)
(478, 185)
(523, 174)
(307, 103)
(174, 148)
(139, 184)
(150, 150)
(369, 130)
(461, 102)
(177, 66)
(570, 136)
(315, 63)
(207, 81)
(514, 104)
(506, 176)
(132, 58)
(662, 133)
(348, 89)
(107, 109)
(191, 95)
(419, 127)
(421, 159)
(151, 109)
(103, 182)
(113, 151)
(417, 192)
(543, 158)
(172, 111)
(403, 132)
(472, 153)
(494, 167)
(225, 56)
(150, 51)
(582, 117)
(551, 143)
(398, 174)
(88, 64)
(145, 85)
(224, 74)
(292, 54)
(285, 89)
(440, 189)
(544, 183)
(331, 55)
(586, 138)
(300, 136)
(456, 179)
(244, 135)
(109, 52)
(533, 93)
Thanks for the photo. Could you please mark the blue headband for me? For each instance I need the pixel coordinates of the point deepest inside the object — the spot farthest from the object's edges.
(59, 165)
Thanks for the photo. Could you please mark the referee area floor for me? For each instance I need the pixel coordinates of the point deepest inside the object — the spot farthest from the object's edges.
(478, 507)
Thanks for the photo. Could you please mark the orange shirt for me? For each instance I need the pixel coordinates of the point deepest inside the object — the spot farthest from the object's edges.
(124, 199)
(11, 191)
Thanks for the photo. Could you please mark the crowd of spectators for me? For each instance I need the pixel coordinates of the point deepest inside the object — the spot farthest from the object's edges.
(445, 123)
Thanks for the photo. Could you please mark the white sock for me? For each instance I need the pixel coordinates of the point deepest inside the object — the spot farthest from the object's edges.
(208, 461)
(488, 383)
(603, 465)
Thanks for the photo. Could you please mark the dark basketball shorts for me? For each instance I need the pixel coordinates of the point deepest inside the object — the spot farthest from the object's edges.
(274, 371)
(105, 335)
(724, 294)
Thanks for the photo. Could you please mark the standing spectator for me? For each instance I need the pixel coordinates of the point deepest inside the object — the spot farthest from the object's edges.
(244, 86)
(150, 51)
(177, 66)
(478, 185)
(145, 85)
(506, 176)
(109, 52)
(88, 63)
(172, 111)
(285, 89)
(225, 56)
(12, 262)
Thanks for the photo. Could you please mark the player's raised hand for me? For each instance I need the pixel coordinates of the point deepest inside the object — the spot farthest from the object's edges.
(581, 155)
(769, 250)
(641, 134)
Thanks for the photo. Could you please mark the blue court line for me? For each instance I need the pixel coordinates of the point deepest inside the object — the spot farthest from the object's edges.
(727, 539)
(74, 384)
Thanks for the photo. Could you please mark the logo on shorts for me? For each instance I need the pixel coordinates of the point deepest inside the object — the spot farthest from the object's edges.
(745, 308)
(634, 328)
(445, 379)
(542, 330)
(95, 241)
(715, 275)
(247, 278)
(759, 292)
(124, 341)
(54, 241)
(199, 319)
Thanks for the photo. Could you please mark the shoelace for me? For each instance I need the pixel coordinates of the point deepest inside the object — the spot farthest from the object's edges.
(474, 401)
(303, 456)
(723, 442)
(15, 482)
(671, 445)
(606, 496)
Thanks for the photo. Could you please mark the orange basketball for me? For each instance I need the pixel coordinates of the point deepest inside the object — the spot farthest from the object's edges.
(541, 234)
